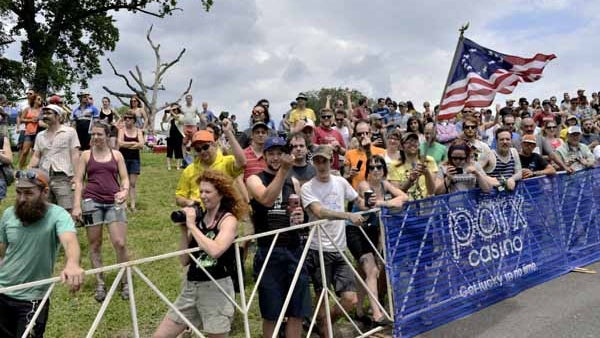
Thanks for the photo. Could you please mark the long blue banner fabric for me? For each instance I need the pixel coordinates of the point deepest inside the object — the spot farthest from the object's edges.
(452, 255)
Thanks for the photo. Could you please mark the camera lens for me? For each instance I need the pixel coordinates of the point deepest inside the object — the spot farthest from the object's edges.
(178, 216)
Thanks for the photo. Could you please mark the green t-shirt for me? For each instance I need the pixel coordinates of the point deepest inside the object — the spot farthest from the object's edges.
(31, 250)
(437, 150)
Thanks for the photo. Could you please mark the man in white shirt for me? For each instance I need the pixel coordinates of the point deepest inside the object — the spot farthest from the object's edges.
(324, 197)
(191, 118)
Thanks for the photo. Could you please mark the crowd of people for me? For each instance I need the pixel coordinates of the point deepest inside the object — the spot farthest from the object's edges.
(335, 164)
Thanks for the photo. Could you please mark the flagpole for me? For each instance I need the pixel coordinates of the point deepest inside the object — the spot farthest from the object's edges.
(452, 66)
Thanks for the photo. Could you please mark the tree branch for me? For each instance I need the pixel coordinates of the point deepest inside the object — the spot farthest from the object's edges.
(119, 95)
(168, 65)
(121, 75)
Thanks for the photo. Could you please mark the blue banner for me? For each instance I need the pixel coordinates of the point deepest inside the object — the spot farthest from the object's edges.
(451, 255)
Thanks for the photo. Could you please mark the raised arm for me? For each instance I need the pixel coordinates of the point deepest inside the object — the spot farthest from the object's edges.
(238, 152)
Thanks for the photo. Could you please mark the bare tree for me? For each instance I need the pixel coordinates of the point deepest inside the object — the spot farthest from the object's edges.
(148, 94)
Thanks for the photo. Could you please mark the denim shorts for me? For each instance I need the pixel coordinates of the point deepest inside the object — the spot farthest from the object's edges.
(276, 282)
(104, 213)
(133, 166)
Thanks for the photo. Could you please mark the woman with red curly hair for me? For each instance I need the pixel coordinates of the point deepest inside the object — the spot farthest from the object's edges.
(201, 301)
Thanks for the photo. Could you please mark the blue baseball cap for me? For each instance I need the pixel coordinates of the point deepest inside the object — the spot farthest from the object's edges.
(273, 142)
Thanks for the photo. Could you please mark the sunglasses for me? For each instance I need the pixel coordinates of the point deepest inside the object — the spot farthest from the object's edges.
(203, 147)
(470, 127)
(254, 112)
(458, 158)
(550, 127)
(376, 167)
(326, 117)
(31, 175)
(364, 133)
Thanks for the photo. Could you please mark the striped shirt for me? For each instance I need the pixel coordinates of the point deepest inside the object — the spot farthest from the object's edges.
(55, 153)
(254, 164)
(504, 169)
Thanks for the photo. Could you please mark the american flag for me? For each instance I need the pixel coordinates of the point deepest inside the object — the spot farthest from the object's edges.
(478, 73)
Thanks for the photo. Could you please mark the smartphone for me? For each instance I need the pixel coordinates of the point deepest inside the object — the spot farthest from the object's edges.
(458, 170)
(359, 164)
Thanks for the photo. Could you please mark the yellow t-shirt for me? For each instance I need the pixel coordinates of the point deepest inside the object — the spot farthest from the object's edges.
(297, 115)
(401, 172)
(187, 186)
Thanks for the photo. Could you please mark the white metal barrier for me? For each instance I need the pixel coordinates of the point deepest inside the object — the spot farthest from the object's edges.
(125, 269)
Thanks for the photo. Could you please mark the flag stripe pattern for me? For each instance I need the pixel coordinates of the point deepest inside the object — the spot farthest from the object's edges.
(479, 73)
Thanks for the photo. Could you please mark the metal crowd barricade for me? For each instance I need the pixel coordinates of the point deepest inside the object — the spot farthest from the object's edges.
(126, 268)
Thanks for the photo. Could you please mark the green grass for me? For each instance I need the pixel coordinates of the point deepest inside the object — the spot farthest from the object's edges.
(150, 233)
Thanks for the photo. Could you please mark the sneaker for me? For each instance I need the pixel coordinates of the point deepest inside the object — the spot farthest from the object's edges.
(100, 293)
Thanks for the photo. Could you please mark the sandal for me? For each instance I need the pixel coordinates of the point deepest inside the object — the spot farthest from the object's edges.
(125, 291)
(100, 294)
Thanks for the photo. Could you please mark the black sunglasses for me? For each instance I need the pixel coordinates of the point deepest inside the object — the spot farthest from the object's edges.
(326, 117)
(378, 167)
(203, 147)
(470, 127)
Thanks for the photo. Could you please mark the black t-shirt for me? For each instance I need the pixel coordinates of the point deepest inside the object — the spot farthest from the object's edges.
(303, 174)
(535, 162)
(275, 217)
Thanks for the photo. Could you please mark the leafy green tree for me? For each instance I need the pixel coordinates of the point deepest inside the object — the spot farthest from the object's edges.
(318, 98)
(63, 40)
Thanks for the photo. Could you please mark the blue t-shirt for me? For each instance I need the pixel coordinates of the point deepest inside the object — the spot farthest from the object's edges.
(88, 112)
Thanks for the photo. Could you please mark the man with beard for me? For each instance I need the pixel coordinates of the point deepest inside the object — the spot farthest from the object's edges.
(83, 116)
(533, 164)
(325, 134)
(270, 191)
(56, 151)
(30, 234)
(589, 137)
(301, 169)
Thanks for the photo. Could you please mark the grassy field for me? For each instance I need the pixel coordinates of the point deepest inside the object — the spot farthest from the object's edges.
(150, 233)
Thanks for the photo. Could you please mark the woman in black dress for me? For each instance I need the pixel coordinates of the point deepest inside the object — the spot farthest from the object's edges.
(174, 117)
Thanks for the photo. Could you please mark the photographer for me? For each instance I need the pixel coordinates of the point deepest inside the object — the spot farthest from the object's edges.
(201, 301)
(275, 207)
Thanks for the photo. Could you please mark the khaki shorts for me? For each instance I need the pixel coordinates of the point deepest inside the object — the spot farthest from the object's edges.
(61, 192)
(205, 306)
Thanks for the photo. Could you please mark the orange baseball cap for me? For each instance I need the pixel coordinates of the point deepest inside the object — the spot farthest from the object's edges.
(203, 136)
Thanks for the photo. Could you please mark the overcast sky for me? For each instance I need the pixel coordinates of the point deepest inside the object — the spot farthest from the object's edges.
(242, 51)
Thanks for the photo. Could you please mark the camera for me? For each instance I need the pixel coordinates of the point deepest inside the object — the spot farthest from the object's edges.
(178, 216)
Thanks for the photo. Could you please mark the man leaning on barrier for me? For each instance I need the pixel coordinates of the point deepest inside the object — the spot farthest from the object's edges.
(576, 155)
(273, 209)
(533, 164)
(30, 233)
(324, 197)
